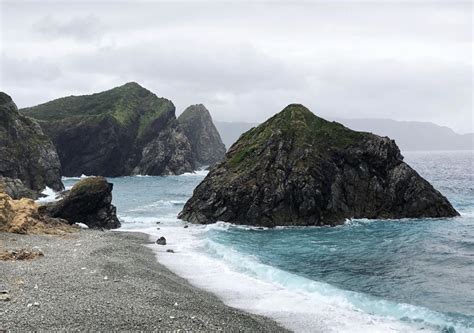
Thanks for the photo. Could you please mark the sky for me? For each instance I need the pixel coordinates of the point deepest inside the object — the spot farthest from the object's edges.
(403, 60)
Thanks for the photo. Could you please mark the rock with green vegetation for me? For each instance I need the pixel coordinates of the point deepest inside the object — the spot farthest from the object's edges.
(89, 201)
(26, 153)
(123, 131)
(299, 169)
(206, 142)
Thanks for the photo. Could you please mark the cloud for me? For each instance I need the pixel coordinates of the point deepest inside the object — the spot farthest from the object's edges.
(246, 60)
(80, 28)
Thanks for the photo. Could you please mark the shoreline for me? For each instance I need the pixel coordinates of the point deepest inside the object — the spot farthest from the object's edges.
(94, 280)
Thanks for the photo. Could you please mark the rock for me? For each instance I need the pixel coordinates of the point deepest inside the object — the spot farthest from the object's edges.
(123, 131)
(169, 251)
(186, 226)
(299, 169)
(89, 201)
(22, 254)
(161, 241)
(16, 189)
(23, 217)
(206, 143)
(4, 295)
(26, 153)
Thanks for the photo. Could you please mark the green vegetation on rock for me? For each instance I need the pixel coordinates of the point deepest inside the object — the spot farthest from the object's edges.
(111, 133)
(299, 169)
(26, 153)
(295, 124)
(206, 143)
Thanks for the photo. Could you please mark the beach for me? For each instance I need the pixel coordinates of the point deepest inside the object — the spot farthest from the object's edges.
(95, 280)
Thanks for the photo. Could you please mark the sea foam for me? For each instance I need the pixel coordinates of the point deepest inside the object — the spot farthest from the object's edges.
(296, 302)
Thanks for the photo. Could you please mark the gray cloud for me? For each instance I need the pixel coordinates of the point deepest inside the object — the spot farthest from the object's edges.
(246, 61)
(81, 28)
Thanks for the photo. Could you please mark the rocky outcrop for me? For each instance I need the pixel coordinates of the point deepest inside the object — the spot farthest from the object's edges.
(206, 143)
(26, 153)
(16, 189)
(299, 169)
(89, 201)
(23, 217)
(123, 131)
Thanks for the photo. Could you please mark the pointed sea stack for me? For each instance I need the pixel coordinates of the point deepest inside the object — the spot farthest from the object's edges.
(206, 143)
(119, 132)
(299, 169)
(26, 153)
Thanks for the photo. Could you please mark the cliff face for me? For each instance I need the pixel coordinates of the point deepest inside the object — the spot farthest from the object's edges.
(26, 153)
(299, 169)
(118, 132)
(205, 140)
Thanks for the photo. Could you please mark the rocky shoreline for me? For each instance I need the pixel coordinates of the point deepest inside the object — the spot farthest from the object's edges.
(94, 280)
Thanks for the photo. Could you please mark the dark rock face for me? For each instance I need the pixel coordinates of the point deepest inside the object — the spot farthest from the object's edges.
(88, 202)
(26, 153)
(16, 189)
(299, 169)
(206, 142)
(123, 131)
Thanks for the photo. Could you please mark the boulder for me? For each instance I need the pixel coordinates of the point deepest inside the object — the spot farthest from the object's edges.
(161, 241)
(299, 169)
(89, 201)
(26, 153)
(206, 143)
(119, 132)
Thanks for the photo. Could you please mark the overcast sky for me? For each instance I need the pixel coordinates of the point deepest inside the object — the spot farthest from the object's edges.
(246, 61)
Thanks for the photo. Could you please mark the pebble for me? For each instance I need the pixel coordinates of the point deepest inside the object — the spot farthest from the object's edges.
(161, 241)
(170, 251)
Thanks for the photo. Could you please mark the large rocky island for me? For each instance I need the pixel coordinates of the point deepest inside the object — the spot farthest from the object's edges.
(123, 131)
(299, 169)
(206, 142)
(28, 158)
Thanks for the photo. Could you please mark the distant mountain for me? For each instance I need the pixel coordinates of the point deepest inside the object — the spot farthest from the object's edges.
(206, 143)
(414, 135)
(122, 131)
(409, 135)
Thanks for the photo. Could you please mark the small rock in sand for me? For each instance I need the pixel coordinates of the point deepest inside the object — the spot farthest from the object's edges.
(4, 296)
(22, 254)
(170, 251)
(161, 241)
(186, 226)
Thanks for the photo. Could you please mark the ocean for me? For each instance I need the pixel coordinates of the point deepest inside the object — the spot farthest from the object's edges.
(364, 276)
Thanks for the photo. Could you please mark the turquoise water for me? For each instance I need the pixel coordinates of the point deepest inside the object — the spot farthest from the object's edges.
(419, 272)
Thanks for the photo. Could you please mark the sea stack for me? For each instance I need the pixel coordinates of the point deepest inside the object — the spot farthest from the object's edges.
(123, 131)
(89, 201)
(206, 143)
(26, 153)
(299, 169)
